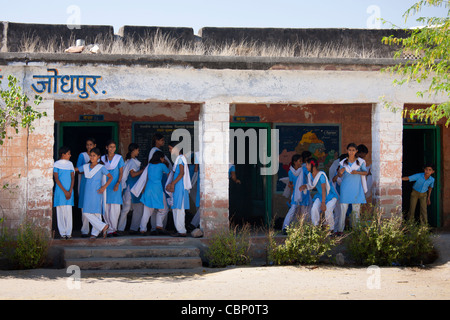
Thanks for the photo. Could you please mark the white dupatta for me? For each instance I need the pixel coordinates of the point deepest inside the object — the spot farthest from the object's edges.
(356, 167)
(313, 183)
(113, 164)
(299, 182)
(186, 177)
(64, 165)
(89, 174)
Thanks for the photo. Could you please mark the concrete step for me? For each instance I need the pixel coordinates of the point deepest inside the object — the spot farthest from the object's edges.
(136, 263)
(133, 257)
(130, 252)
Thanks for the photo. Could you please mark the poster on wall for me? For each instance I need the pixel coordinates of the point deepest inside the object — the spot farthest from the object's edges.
(143, 133)
(323, 141)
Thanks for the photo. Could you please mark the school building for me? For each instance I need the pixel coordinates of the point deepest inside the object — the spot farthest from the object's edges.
(296, 103)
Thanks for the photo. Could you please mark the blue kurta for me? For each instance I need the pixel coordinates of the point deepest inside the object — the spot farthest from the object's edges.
(131, 182)
(111, 196)
(93, 201)
(181, 195)
(65, 177)
(153, 196)
(293, 179)
(305, 197)
(81, 181)
(332, 194)
(351, 190)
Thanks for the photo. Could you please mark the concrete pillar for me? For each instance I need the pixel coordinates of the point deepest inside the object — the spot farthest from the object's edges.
(214, 136)
(387, 153)
(40, 168)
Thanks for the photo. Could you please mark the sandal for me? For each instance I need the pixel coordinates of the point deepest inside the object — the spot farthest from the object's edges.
(104, 231)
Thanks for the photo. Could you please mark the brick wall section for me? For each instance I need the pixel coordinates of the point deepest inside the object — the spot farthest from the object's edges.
(125, 113)
(387, 144)
(27, 167)
(40, 168)
(214, 150)
(355, 121)
(13, 175)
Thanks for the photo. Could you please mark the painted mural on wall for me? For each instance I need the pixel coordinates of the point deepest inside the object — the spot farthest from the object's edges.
(323, 141)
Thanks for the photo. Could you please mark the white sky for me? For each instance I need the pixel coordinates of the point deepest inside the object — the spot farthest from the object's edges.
(212, 13)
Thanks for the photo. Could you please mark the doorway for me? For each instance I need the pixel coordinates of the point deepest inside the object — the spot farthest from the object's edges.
(74, 135)
(251, 200)
(421, 145)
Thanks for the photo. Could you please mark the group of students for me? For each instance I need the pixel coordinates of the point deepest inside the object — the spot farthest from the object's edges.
(345, 185)
(110, 187)
(349, 183)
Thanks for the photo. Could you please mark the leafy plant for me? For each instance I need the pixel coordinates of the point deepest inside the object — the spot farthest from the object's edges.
(386, 241)
(305, 244)
(30, 246)
(230, 247)
(15, 112)
(431, 47)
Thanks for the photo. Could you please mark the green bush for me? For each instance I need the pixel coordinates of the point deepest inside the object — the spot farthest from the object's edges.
(304, 244)
(29, 249)
(388, 241)
(230, 247)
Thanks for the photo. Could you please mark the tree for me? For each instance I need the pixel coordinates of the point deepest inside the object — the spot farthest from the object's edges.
(431, 47)
(15, 111)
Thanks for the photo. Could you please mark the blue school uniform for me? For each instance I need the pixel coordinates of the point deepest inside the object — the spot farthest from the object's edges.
(305, 197)
(421, 184)
(293, 179)
(82, 181)
(131, 182)
(351, 190)
(115, 197)
(93, 201)
(332, 194)
(180, 195)
(65, 177)
(153, 196)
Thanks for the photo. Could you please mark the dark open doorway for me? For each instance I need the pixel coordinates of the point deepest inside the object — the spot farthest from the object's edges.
(74, 135)
(250, 201)
(421, 145)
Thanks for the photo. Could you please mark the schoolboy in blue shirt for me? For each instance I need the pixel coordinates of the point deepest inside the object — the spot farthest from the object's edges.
(422, 188)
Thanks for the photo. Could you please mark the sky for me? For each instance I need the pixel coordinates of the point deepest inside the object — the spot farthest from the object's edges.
(196, 14)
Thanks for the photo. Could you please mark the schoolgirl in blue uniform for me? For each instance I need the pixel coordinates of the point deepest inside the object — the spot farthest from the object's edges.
(326, 196)
(63, 200)
(131, 173)
(153, 198)
(179, 187)
(83, 158)
(94, 193)
(353, 186)
(114, 164)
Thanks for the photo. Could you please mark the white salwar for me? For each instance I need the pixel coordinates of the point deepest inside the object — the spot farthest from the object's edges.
(64, 218)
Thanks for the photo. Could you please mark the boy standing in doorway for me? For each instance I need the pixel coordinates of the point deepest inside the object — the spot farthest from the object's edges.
(422, 188)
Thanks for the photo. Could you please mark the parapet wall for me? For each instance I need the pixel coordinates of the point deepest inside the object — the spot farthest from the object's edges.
(12, 36)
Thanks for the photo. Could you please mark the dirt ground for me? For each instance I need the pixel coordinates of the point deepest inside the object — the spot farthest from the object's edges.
(239, 283)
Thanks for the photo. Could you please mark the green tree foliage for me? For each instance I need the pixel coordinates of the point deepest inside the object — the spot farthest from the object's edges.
(15, 111)
(430, 44)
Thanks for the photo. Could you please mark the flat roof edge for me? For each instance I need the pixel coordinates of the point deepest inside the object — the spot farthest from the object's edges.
(195, 61)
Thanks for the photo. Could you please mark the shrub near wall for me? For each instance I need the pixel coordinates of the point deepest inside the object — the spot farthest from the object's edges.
(304, 244)
(389, 241)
